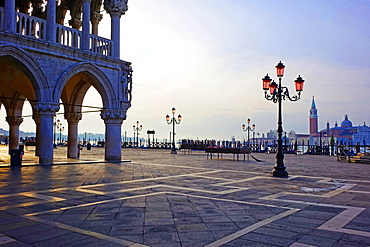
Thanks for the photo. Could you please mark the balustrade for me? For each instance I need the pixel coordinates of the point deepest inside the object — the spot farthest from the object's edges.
(30, 26)
(68, 36)
(100, 45)
(34, 27)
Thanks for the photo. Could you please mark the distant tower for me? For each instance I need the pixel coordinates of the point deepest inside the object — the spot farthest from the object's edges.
(314, 128)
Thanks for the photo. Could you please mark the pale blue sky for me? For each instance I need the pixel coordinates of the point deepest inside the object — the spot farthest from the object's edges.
(207, 58)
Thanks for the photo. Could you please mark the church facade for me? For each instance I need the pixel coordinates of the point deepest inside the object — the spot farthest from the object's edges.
(46, 64)
(345, 133)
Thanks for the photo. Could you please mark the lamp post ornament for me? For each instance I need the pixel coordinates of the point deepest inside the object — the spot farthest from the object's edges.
(248, 128)
(277, 93)
(173, 121)
(137, 128)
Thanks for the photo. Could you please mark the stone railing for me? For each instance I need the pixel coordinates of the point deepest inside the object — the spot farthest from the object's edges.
(68, 36)
(100, 45)
(30, 26)
(34, 27)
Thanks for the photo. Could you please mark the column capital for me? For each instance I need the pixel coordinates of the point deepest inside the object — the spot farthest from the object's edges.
(75, 23)
(46, 108)
(113, 116)
(115, 7)
(96, 17)
(14, 120)
(73, 118)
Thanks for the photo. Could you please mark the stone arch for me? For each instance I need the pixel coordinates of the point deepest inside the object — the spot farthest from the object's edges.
(20, 58)
(98, 79)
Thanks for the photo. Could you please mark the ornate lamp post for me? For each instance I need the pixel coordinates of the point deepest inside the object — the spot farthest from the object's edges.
(55, 130)
(173, 121)
(137, 128)
(248, 128)
(60, 128)
(57, 127)
(276, 94)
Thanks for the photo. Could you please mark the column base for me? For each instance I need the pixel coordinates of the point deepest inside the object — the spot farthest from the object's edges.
(279, 172)
(45, 160)
(113, 158)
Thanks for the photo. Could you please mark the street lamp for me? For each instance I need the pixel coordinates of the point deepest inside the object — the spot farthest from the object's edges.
(60, 128)
(137, 128)
(173, 121)
(57, 127)
(55, 130)
(277, 94)
(248, 128)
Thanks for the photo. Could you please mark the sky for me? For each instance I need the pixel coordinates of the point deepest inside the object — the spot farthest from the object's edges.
(206, 58)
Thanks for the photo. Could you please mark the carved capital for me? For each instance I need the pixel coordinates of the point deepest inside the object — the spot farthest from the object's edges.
(96, 17)
(46, 108)
(113, 116)
(14, 120)
(73, 118)
(125, 105)
(114, 7)
(75, 23)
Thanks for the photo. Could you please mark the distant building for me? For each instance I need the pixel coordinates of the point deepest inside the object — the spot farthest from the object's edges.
(314, 126)
(346, 133)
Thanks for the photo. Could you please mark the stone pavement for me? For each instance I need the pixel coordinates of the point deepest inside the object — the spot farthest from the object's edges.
(159, 199)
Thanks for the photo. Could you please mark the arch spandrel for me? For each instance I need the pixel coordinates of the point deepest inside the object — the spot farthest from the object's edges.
(90, 74)
(31, 70)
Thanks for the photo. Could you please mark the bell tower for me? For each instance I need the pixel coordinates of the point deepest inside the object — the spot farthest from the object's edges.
(314, 128)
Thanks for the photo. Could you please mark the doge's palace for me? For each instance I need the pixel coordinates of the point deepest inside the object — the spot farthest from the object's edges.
(45, 62)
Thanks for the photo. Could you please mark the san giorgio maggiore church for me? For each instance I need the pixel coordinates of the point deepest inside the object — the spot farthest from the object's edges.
(345, 133)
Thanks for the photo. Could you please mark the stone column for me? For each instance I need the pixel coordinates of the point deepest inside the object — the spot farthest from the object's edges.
(36, 118)
(9, 15)
(14, 122)
(51, 21)
(115, 8)
(96, 18)
(46, 111)
(113, 119)
(85, 41)
(72, 119)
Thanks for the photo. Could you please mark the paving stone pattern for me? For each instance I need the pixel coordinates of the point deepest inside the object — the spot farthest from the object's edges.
(159, 199)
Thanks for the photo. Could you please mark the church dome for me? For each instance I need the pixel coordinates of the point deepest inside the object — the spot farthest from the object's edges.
(346, 123)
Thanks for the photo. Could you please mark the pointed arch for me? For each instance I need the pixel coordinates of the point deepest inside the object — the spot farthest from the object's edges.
(97, 79)
(30, 67)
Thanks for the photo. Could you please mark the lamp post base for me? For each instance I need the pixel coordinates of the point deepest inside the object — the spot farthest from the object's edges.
(279, 172)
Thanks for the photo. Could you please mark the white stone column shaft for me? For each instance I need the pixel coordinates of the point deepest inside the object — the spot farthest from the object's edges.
(36, 118)
(115, 33)
(46, 111)
(9, 15)
(46, 151)
(113, 119)
(72, 148)
(113, 150)
(115, 8)
(14, 123)
(85, 45)
(51, 21)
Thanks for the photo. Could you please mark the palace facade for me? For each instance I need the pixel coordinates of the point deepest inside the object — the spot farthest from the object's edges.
(46, 63)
